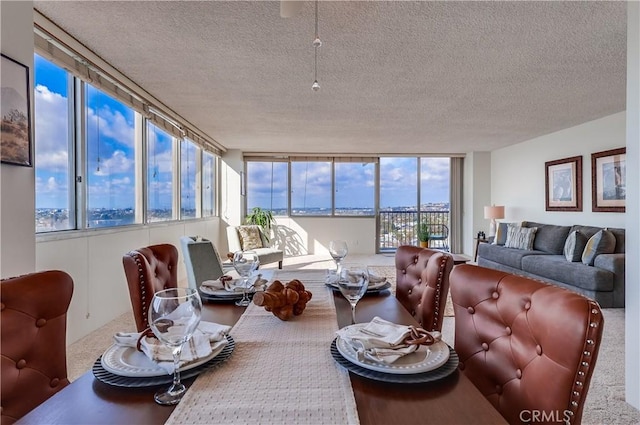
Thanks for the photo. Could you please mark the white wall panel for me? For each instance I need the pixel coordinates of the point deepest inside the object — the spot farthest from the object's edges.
(518, 172)
(17, 184)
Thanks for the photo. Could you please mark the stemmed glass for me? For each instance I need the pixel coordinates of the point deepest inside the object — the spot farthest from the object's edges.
(245, 263)
(353, 282)
(174, 315)
(338, 250)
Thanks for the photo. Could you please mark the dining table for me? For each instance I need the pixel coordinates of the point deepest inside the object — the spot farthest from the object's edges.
(453, 399)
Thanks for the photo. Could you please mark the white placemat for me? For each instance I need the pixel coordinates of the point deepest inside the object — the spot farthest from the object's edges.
(280, 372)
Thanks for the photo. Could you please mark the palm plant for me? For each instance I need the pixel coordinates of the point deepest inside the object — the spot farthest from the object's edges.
(423, 234)
(262, 218)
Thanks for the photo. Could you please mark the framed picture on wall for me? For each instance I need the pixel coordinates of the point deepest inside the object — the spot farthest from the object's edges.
(563, 184)
(608, 180)
(15, 113)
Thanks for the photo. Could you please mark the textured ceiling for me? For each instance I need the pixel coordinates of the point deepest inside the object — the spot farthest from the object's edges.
(396, 76)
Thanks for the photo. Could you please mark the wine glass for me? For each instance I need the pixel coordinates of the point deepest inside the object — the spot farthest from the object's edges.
(338, 250)
(174, 315)
(353, 282)
(245, 263)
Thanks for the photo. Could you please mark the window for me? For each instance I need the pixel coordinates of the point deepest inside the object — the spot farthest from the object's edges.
(434, 184)
(94, 145)
(267, 186)
(110, 173)
(55, 206)
(208, 184)
(159, 174)
(311, 185)
(398, 184)
(355, 188)
(188, 187)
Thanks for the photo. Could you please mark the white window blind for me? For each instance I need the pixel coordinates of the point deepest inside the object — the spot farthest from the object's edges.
(75, 58)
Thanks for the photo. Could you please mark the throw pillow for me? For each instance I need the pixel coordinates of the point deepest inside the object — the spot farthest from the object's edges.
(574, 246)
(520, 237)
(249, 237)
(501, 234)
(603, 242)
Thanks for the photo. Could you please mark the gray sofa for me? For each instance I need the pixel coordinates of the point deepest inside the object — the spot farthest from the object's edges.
(603, 282)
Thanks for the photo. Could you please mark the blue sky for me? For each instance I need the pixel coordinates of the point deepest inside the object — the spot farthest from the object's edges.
(311, 184)
(111, 138)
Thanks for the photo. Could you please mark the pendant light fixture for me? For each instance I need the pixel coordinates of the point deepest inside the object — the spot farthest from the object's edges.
(316, 43)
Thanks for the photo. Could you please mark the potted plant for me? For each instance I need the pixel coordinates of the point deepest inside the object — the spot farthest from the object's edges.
(424, 235)
(263, 218)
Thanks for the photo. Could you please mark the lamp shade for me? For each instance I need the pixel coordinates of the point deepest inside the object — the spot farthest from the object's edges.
(494, 212)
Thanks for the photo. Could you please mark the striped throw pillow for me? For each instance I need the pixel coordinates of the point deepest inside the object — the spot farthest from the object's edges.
(520, 237)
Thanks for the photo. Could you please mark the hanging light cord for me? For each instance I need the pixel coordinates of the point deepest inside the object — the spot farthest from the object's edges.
(98, 130)
(316, 43)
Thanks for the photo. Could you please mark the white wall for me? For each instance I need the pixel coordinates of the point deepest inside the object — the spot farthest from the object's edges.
(94, 261)
(518, 172)
(632, 311)
(311, 235)
(476, 194)
(17, 184)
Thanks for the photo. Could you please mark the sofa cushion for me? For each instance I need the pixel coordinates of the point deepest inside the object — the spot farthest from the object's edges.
(520, 237)
(603, 242)
(574, 246)
(549, 238)
(618, 233)
(511, 257)
(556, 267)
(249, 237)
(501, 234)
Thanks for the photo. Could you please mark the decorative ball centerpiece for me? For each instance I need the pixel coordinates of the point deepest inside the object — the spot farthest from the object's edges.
(284, 301)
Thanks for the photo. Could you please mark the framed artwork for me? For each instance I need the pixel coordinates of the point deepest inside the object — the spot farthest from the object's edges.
(608, 180)
(15, 112)
(563, 184)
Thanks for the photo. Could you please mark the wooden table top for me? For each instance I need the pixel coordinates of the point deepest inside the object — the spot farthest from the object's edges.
(453, 400)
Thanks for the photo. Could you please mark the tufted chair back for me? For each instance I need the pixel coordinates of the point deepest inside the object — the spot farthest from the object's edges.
(422, 283)
(149, 270)
(33, 329)
(527, 345)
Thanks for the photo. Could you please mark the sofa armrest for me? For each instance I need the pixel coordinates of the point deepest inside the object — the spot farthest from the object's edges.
(611, 262)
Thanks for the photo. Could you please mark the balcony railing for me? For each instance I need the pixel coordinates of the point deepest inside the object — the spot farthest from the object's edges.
(399, 227)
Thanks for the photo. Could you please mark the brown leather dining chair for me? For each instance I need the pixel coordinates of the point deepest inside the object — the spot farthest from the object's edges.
(422, 283)
(528, 346)
(149, 270)
(33, 330)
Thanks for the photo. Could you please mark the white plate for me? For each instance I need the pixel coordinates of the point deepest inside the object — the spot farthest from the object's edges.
(129, 362)
(370, 287)
(425, 359)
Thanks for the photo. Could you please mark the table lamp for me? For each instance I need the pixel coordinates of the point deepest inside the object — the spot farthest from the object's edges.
(493, 212)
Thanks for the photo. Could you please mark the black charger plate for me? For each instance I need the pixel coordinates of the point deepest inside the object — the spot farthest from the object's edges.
(415, 378)
(109, 378)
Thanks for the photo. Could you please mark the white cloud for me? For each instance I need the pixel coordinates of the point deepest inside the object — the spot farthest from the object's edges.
(118, 163)
(51, 130)
(113, 125)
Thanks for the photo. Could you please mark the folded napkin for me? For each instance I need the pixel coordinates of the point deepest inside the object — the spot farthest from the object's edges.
(223, 283)
(232, 285)
(376, 279)
(198, 346)
(384, 341)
